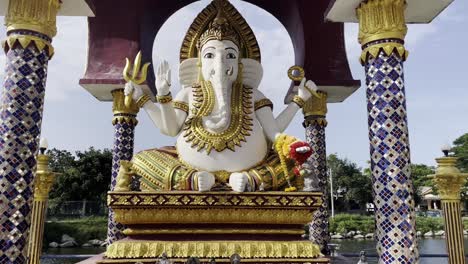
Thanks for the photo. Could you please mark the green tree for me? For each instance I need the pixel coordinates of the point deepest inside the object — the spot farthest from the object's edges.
(352, 188)
(460, 149)
(84, 176)
(419, 173)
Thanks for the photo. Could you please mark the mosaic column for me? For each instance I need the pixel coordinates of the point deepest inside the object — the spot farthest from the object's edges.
(449, 182)
(124, 133)
(30, 28)
(382, 30)
(42, 184)
(315, 111)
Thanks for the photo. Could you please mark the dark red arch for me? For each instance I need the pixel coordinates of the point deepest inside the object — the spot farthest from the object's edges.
(121, 28)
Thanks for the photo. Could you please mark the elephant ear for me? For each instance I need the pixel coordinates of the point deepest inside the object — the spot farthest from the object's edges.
(252, 73)
(188, 72)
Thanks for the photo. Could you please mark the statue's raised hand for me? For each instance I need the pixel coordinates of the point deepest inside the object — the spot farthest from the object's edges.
(305, 88)
(134, 90)
(163, 78)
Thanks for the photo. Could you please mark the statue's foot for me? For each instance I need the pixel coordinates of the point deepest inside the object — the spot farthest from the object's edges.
(206, 180)
(238, 181)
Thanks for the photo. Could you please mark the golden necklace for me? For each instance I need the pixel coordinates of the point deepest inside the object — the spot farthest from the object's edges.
(240, 124)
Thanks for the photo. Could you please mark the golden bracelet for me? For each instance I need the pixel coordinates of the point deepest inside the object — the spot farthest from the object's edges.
(299, 101)
(142, 100)
(164, 99)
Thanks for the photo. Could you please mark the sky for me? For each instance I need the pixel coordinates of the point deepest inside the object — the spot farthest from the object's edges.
(435, 72)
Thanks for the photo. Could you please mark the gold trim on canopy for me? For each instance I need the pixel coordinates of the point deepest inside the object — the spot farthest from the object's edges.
(250, 48)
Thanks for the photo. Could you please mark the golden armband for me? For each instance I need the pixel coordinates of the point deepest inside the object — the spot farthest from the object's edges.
(263, 103)
(181, 106)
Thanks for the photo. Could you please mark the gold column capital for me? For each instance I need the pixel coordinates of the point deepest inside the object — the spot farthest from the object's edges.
(315, 109)
(44, 179)
(382, 26)
(123, 112)
(448, 178)
(38, 16)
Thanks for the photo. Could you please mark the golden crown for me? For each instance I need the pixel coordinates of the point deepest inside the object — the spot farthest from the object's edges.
(219, 29)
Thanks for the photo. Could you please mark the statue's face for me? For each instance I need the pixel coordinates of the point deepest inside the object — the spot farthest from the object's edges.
(220, 61)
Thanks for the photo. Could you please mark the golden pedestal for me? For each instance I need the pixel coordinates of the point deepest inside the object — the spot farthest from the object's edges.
(262, 227)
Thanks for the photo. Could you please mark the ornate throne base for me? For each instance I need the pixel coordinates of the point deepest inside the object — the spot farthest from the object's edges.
(262, 227)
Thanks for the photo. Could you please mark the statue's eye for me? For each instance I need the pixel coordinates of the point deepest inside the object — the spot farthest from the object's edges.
(231, 56)
(209, 55)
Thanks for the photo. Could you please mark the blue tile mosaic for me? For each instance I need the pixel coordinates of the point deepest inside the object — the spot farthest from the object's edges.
(20, 126)
(124, 134)
(318, 228)
(390, 162)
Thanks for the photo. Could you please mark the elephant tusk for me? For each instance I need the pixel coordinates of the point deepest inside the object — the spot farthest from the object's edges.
(230, 71)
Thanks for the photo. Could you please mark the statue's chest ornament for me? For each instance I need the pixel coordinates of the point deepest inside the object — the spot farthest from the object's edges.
(240, 125)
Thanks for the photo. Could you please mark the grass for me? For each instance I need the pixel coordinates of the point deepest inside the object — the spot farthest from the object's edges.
(82, 229)
(343, 223)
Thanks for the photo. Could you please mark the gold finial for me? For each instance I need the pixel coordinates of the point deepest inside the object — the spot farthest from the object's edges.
(448, 178)
(44, 178)
(219, 29)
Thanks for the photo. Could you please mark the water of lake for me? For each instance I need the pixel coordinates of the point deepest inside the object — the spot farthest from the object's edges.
(426, 246)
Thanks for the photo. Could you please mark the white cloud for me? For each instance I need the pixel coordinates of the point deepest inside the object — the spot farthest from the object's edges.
(353, 49)
(68, 65)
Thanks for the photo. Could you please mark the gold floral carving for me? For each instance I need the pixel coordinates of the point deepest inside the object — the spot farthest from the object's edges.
(211, 207)
(215, 249)
(249, 45)
(381, 19)
(44, 179)
(256, 200)
(38, 15)
(320, 260)
(382, 27)
(448, 179)
(211, 216)
(240, 123)
(123, 113)
(158, 231)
